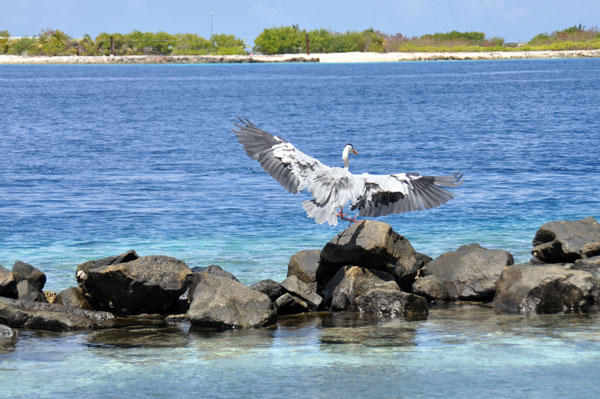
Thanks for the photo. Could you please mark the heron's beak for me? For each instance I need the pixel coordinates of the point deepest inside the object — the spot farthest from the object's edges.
(354, 151)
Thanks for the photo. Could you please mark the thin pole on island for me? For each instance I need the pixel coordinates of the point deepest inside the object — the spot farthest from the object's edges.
(112, 45)
(307, 45)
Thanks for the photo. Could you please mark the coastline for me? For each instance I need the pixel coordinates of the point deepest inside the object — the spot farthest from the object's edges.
(354, 57)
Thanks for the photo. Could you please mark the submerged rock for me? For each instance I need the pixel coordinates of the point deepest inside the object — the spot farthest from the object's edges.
(150, 284)
(567, 241)
(304, 265)
(7, 333)
(469, 273)
(221, 303)
(372, 245)
(528, 288)
(270, 288)
(50, 317)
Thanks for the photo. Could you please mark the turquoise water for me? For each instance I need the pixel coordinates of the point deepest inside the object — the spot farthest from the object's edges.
(96, 160)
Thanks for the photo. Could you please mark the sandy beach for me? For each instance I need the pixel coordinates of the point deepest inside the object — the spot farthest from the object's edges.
(355, 57)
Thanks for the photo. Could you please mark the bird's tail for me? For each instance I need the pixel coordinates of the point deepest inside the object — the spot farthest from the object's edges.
(320, 214)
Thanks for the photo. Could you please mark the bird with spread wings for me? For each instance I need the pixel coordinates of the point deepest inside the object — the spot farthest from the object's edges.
(333, 188)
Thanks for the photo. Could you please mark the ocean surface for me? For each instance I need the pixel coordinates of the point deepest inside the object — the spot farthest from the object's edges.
(97, 160)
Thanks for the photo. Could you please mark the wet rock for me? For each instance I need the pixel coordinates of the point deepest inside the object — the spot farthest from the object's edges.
(528, 288)
(24, 271)
(290, 304)
(385, 303)
(297, 287)
(304, 265)
(372, 245)
(8, 285)
(73, 296)
(221, 303)
(471, 272)
(50, 317)
(350, 282)
(150, 284)
(215, 270)
(27, 292)
(270, 288)
(592, 266)
(370, 336)
(431, 287)
(567, 241)
(7, 333)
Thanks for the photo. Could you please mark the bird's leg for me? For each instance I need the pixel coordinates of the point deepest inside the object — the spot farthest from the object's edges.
(346, 217)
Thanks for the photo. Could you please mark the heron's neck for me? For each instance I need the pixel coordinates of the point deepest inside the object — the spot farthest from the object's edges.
(345, 158)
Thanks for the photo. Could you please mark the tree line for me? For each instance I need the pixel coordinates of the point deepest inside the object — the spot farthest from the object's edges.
(286, 40)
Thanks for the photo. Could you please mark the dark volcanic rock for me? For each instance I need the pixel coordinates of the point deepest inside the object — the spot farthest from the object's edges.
(221, 303)
(304, 265)
(51, 317)
(24, 271)
(566, 241)
(27, 292)
(350, 282)
(8, 285)
(73, 296)
(430, 287)
(392, 303)
(86, 267)
(289, 304)
(299, 288)
(150, 284)
(422, 259)
(592, 266)
(528, 288)
(373, 245)
(470, 273)
(215, 270)
(270, 288)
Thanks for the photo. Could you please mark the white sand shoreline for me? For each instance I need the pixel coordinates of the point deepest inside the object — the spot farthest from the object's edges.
(324, 58)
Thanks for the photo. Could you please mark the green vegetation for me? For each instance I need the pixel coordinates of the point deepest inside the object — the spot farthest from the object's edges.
(287, 40)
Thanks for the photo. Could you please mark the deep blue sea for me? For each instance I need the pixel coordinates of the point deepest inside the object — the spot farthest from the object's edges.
(97, 160)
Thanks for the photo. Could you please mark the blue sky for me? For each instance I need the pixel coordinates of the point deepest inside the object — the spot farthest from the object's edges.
(514, 20)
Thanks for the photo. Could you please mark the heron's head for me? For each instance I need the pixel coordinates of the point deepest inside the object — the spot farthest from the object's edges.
(349, 148)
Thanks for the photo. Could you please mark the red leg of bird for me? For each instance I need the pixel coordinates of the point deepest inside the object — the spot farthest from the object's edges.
(343, 216)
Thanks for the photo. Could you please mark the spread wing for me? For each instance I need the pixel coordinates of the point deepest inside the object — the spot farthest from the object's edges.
(403, 192)
(292, 168)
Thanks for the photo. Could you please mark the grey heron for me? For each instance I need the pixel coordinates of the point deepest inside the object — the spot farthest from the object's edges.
(333, 188)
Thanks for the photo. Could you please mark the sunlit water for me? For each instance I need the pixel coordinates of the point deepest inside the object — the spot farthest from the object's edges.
(95, 160)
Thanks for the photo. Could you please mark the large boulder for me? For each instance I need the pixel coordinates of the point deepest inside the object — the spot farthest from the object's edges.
(25, 272)
(150, 284)
(469, 273)
(299, 288)
(528, 288)
(73, 296)
(269, 287)
(592, 266)
(304, 265)
(51, 317)
(221, 303)
(8, 285)
(566, 241)
(350, 282)
(372, 245)
(386, 303)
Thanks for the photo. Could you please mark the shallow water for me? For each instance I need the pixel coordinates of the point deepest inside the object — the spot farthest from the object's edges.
(96, 160)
